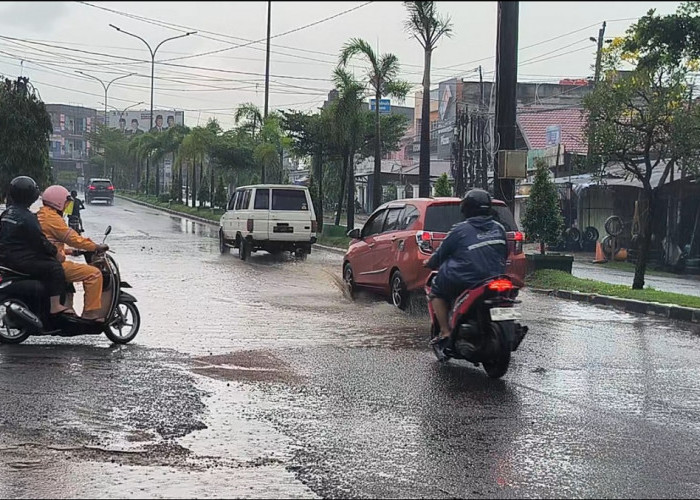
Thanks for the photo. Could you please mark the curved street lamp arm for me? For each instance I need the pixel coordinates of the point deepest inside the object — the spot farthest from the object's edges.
(153, 54)
(172, 38)
(118, 78)
(94, 78)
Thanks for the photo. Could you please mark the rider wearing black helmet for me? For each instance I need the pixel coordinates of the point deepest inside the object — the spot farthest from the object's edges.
(24, 248)
(473, 251)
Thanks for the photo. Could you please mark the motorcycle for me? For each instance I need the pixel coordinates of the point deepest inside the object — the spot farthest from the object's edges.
(484, 326)
(24, 306)
(74, 224)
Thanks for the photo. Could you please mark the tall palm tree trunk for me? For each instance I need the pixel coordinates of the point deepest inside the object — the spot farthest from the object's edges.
(351, 191)
(343, 177)
(377, 189)
(194, 183)
(424, 161)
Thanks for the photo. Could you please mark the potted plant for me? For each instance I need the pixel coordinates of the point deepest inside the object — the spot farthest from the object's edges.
(543, 222)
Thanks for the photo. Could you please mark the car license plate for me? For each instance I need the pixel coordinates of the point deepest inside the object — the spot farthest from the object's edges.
(504, 314)
(283, 229)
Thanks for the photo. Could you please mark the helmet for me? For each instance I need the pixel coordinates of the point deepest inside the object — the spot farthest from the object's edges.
(23, 191)
(55, 197)
(476, 202)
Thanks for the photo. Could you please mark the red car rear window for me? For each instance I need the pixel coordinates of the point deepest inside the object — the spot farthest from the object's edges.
(441, 218)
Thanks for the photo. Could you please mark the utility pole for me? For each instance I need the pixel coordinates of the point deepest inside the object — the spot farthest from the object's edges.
(267, 74)
(506, 93)
(596, 78)
(153, 65)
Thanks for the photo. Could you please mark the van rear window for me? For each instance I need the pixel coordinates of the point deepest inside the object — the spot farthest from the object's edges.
(289, 199)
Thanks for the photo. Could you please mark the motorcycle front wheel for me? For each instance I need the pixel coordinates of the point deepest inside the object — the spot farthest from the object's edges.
(125, 326)
(498, 365)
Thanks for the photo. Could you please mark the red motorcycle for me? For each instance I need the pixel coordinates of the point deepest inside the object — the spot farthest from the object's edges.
(484, 326)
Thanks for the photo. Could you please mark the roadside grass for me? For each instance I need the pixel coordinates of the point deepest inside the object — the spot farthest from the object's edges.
(341, 242)
(204, 212)
(559, 280)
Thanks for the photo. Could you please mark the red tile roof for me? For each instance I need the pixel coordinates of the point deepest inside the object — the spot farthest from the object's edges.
(534, 120)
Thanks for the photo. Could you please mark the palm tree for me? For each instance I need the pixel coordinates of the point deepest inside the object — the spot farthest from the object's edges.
(427, 27)
(347, 132)
(383, 79)
(250, 114)
(194, 147)
(142, 147)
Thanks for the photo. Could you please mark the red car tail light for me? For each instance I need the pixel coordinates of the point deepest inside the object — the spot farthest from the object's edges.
(250, 225)
(110, 188)
(517, 238)
(92, 188)
(424, 240)
(502, 285)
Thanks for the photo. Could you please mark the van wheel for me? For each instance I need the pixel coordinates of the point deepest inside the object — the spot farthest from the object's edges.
(244, 248)
(301, 254)
(223, 247)
(399, 294)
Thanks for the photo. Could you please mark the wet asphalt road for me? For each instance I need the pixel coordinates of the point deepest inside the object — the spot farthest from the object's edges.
(260, 379)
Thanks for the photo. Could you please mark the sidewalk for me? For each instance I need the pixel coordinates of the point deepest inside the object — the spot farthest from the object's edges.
(684, 284)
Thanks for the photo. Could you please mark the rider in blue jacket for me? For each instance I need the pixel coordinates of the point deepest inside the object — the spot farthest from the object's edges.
(473, 251)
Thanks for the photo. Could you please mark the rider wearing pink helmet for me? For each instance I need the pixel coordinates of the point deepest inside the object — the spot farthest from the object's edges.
(54, 226)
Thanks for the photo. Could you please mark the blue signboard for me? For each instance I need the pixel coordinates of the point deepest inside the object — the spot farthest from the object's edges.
(384, 105)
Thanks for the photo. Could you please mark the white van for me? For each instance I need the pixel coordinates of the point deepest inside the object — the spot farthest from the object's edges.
(270, 217)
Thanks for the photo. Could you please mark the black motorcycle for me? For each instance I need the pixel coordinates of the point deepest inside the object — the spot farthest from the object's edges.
(24, 306)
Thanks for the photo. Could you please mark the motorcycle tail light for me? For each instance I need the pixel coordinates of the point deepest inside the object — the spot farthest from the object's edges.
(250, 225)
(501, 285)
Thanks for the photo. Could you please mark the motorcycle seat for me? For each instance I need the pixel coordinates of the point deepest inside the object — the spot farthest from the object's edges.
(11, 273)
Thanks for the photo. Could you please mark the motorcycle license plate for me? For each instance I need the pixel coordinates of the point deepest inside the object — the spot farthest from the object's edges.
(504, 314)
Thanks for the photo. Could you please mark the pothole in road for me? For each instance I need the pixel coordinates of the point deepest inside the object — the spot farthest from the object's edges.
(245, 366)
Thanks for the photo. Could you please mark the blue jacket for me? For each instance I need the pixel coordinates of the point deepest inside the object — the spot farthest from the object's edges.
(473, 251)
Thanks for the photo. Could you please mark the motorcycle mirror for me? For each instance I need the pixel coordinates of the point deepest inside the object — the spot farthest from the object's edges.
(108, 230)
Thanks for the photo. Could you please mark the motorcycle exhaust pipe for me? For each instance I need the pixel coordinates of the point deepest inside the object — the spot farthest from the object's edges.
(18, 314)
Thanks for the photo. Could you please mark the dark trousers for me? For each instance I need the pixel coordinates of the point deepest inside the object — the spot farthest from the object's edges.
(48, 271)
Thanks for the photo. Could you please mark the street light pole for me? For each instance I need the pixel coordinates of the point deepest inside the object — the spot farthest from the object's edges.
(153, 63)
(106, 88)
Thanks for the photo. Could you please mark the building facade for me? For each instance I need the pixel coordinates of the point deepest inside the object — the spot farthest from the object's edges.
(69, 145)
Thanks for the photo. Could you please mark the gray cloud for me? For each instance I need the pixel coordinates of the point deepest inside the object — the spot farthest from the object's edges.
(33, 15)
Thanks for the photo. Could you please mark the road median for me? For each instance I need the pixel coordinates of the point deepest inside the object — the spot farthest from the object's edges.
(648, 301)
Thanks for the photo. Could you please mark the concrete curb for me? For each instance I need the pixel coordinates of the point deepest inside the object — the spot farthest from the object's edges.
(339, 251)
(668, 311)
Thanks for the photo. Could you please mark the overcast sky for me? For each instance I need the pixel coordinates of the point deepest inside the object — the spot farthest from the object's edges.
(68, 36)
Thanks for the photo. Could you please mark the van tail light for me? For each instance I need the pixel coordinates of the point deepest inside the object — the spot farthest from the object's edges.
(425, 241)
(314, 226)
(517, 238)
(250, 225)
(501, 285)
(111, 188)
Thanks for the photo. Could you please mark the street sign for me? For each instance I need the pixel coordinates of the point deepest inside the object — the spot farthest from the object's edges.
(384, 105)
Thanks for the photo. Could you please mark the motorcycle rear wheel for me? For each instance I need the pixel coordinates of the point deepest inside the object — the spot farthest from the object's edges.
(8, 334)
(498, 366)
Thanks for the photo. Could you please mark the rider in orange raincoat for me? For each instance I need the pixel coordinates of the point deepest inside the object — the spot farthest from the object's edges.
(53, 225)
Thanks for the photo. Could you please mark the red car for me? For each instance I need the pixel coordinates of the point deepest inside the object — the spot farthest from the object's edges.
(388, 254)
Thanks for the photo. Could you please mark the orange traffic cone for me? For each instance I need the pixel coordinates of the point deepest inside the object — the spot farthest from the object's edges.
(599, 255)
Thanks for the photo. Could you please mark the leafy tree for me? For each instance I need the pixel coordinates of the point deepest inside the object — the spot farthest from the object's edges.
(542, 220)
(428, 27)
(250, 118)
(646, 121)
(382, 77)
(442, 186)
(25, 126)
